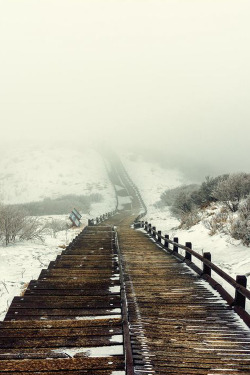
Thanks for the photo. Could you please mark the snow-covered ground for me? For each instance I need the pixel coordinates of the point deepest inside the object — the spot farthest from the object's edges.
(28, 174)
(152, 180)
(31, 174)
(23, 261)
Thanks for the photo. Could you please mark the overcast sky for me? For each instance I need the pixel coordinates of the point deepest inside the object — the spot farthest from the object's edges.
(172, 75)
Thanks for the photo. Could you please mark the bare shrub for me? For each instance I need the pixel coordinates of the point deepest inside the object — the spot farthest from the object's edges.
(169, 196)
(244, 209)
(31, 230)
(205, 194)
(57, 225)
(233, 189)
(189, 219)
(15, 224)
(182, 205)
(240, 227)
(240, 230)
(218, 222)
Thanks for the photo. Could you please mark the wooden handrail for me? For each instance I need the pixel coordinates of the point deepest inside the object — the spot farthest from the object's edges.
(241, 292)
(101, 218)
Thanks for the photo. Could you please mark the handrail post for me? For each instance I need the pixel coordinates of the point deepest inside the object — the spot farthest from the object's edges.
(154, 232)
(159, 236)
(207, 269)
(149, 228)
(146, 226)
(188, 256)
(239, 299)
(166, 241)
(175, 248)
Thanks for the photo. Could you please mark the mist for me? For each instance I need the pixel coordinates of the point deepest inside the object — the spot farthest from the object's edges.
(165, 79)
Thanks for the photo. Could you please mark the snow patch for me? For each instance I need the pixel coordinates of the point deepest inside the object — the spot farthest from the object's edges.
(115, 289)
(97, 317)
(101, 351)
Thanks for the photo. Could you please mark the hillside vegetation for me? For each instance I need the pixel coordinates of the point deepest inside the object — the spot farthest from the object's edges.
(222, 203)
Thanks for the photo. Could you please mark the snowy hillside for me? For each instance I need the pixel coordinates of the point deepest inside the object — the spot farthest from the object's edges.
(151, 178)
(228, 253)
(34, 173)
(31, 174)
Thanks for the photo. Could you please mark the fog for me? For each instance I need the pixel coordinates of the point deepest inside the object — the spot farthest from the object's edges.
(167, 79)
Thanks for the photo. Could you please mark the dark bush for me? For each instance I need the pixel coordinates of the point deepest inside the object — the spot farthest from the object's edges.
(169, 196)
(205, 194)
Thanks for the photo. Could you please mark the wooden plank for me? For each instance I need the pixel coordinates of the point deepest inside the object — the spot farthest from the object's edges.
(114, 362)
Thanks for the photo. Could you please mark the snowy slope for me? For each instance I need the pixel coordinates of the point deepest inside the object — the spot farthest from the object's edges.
(30, 174)
(151, 178)
(33, 173)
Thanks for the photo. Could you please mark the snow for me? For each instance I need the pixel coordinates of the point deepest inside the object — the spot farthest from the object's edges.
(99, 351)
(115, 289)
(98, 317)
(22, 262)
(151, 179)
(227, 253)
(31, 174)
(115, 277)
(122, 201)
(117, 338)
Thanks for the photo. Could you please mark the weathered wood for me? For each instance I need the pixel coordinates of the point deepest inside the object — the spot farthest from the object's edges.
(154, 232)
(62, 364)
(188, 255)
(166, 238)
(175, 246)
(240, 300)
(159, 236)
(206, 268)
(177, 315)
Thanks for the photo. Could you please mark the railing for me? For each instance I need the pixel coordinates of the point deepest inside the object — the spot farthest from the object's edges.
(101, 218)
(237, 302)
(131, 183)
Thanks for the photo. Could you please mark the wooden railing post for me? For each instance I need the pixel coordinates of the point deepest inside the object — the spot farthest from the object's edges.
(239, 299)
(159, 236)
(166, 241)
(149, 228)
(154, 232)
(207, 269)
(175, 248)
(188, 256)
(146, 226)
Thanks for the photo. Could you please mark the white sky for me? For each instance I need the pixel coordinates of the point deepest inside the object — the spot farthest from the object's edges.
(121, 69)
